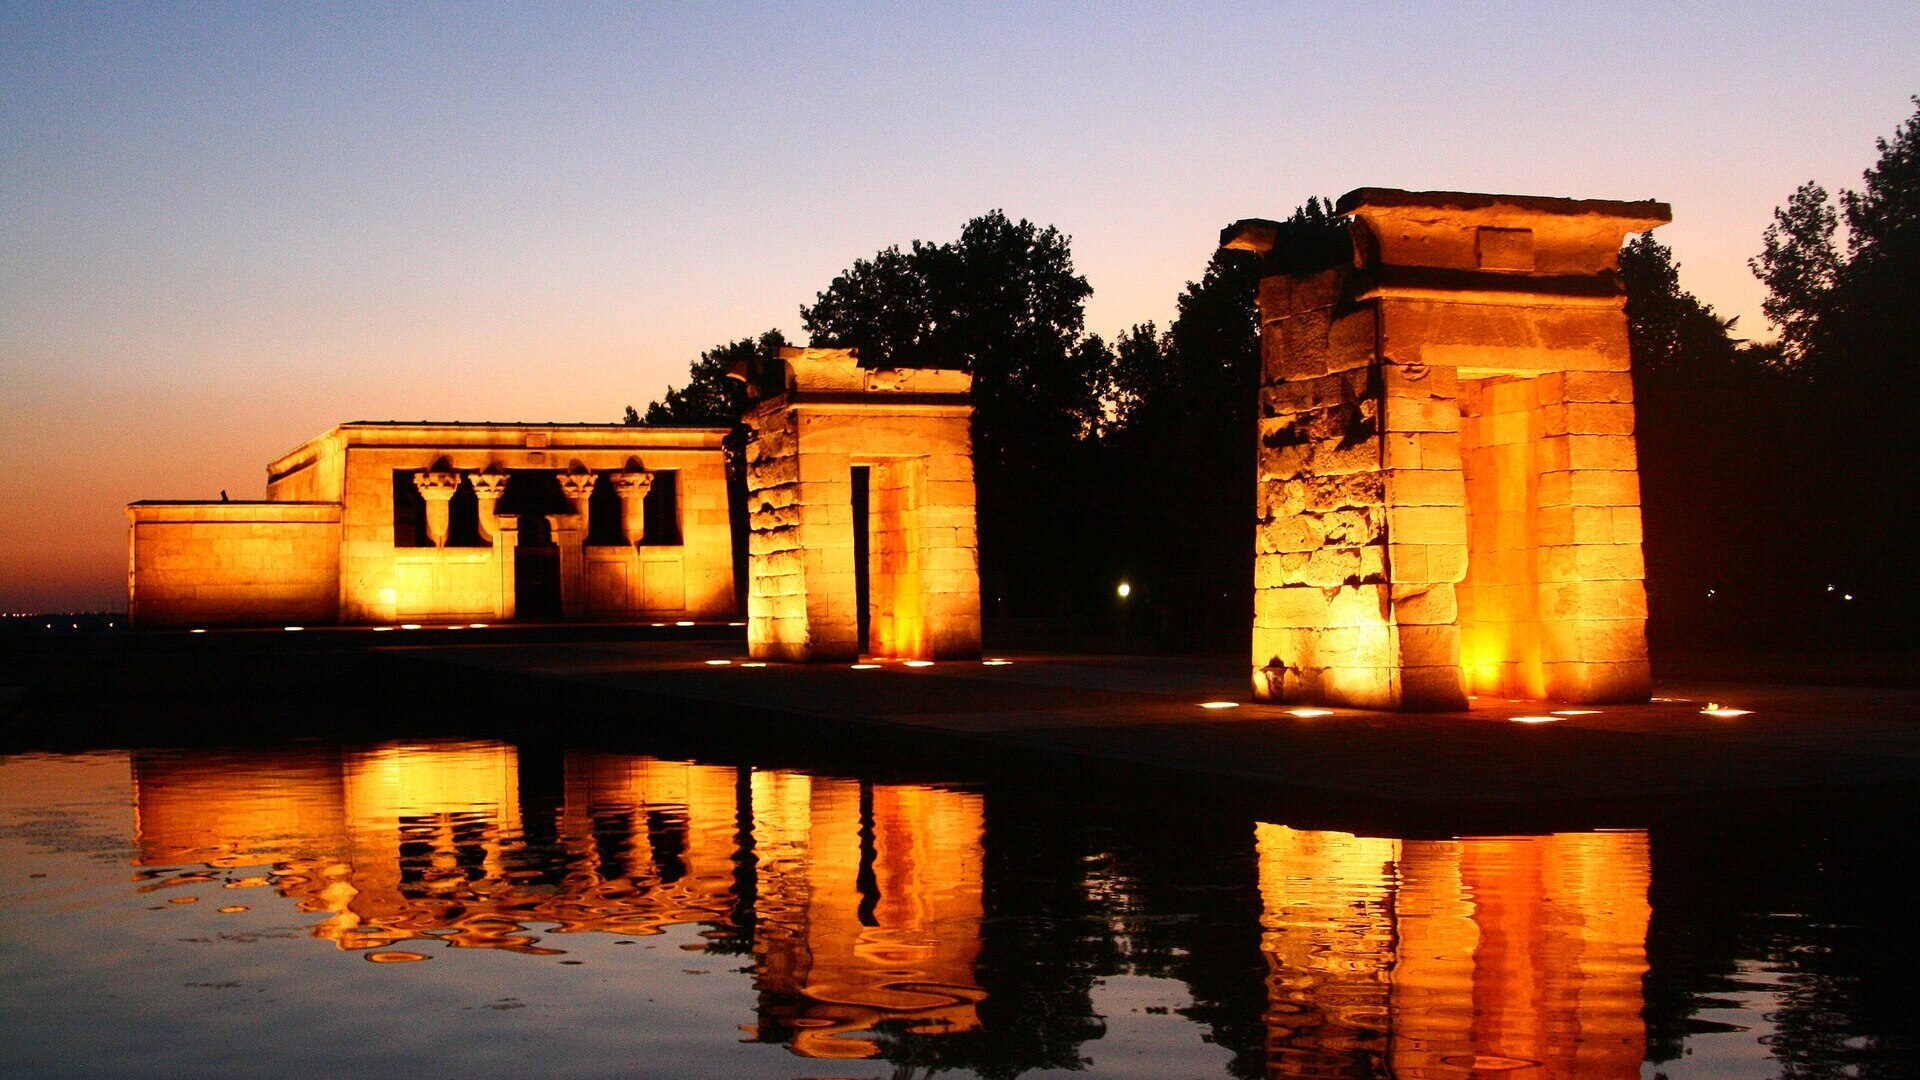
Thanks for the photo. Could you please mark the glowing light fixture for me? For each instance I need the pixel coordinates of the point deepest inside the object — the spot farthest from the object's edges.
(1125, 590)
(736, 624)
(290, 629)
(195, 631)
(1534, 719)
(718, 663)
(684, 622)
(1576, 712)
(919, 663)
(754, 663)
(1724, 712)
(478, 625)
(1219, 704)
(409, 626)
(995, 662)
(865, 667)
(381, 629)
(1308, 714)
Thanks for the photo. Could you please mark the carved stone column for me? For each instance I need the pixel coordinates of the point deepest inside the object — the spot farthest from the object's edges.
(578, 488)
(487, 488)
(632, 488)
(437, 488)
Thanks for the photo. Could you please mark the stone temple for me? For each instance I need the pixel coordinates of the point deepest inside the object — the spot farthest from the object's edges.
(1448, 500)
(389, 522)
(1448, 497)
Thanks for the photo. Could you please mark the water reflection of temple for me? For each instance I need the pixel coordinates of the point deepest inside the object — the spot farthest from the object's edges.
(864, 905)
(861, 902)
(1445, 957)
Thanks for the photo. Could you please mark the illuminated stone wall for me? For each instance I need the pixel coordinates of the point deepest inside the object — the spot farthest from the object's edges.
(363, 572)
(1448, 497)
(232, 563)
(817, 416)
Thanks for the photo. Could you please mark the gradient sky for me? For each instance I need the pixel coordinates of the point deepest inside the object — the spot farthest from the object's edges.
(224, 228)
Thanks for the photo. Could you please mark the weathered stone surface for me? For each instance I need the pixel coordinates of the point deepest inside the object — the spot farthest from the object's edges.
(828, 417)
(1467, 435)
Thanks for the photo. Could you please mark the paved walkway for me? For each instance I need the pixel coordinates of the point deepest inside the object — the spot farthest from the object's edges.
(1149, 712)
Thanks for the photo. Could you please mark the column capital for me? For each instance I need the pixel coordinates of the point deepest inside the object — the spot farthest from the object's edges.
(578, 485)
(436, 486)
(488, 485)
(631, 485)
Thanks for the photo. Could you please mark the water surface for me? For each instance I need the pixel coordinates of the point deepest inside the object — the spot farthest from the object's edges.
(480, 908)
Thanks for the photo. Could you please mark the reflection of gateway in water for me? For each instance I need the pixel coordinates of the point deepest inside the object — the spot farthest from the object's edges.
(861, 902)
(1443, 957)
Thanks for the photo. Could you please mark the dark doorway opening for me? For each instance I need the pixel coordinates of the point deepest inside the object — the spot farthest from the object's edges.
(536, 571)
(862, 580)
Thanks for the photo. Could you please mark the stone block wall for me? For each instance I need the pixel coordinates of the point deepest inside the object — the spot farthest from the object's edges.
(226, 564)
(1448, 498)
(824, 417)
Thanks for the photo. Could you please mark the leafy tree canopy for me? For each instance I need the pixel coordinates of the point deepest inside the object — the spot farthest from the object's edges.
(1002, 301)
(710, 398)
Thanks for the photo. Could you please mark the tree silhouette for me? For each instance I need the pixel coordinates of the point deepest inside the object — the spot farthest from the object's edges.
(1002, 301)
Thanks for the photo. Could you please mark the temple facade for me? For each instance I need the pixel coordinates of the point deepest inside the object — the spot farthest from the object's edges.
(1448, 496)
(390, 522)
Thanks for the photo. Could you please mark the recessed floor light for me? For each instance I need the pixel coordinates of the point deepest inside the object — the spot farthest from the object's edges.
(718, 663)
(684, 622)
(1219, 704)
(919, 663)
(754, 663)
(1576, 712)
(290, 629)
(409, 626)
(865, 667)
(1724, 712)
(995, 662)
(1534, 719)
(1308, 714)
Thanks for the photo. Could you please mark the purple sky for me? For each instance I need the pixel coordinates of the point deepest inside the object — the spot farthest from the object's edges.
(225, 228)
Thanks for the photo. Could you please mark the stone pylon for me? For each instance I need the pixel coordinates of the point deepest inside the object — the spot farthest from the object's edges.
(1448, 496)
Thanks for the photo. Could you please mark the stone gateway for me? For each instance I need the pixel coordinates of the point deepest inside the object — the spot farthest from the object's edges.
(1448, 497)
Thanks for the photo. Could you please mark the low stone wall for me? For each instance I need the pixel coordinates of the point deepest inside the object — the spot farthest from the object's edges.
(233, 564)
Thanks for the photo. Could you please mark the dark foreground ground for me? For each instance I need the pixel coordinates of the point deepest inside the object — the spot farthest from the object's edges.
(1136, 723)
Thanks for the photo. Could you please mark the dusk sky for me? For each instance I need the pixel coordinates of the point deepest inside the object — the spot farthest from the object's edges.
(225, 228)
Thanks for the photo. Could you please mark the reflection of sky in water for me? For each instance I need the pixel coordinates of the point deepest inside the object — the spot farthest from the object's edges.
(739, 916)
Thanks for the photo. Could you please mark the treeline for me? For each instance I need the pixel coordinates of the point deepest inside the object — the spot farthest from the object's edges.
(1769, 471)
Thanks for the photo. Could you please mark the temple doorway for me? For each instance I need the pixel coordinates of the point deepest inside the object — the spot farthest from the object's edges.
(536, 572)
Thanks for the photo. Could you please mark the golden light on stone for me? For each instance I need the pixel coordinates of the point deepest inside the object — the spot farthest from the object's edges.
(817, 417)
(380, 522)
(1447, 493)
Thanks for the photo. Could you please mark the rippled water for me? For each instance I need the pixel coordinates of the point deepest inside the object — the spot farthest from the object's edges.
(476, 908)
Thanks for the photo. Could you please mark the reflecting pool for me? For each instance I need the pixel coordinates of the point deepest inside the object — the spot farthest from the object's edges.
(481, 908)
